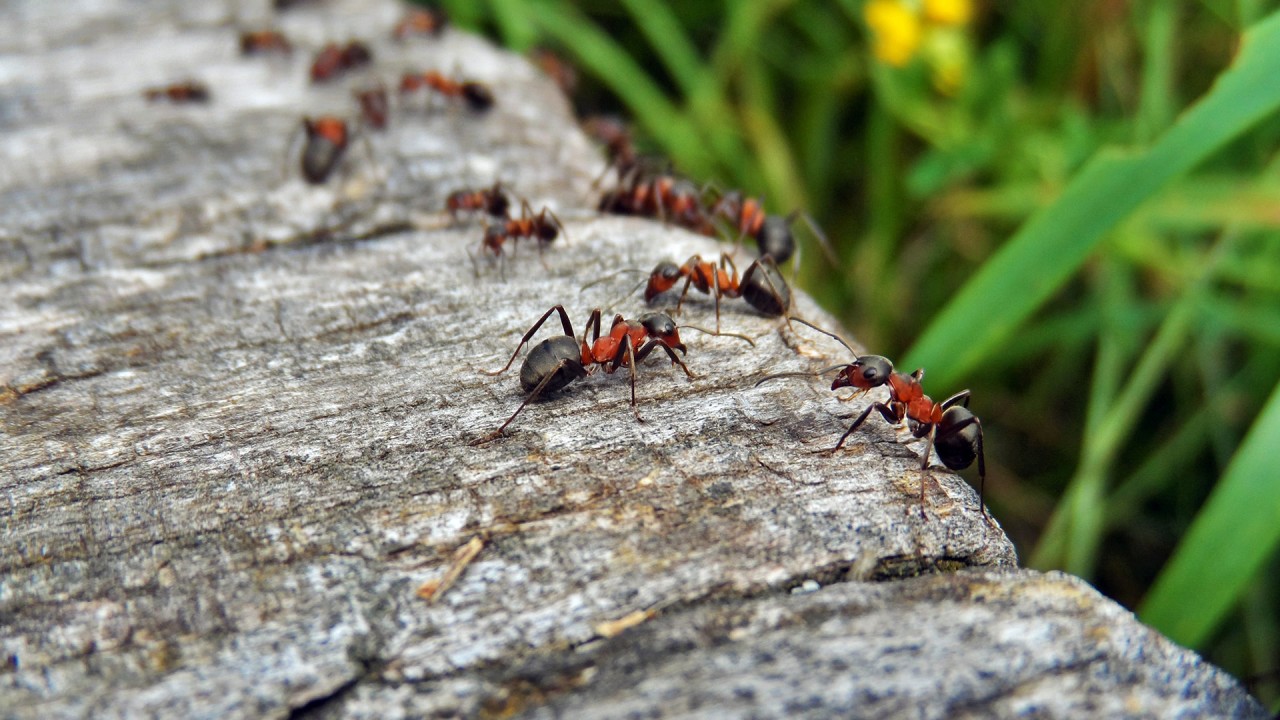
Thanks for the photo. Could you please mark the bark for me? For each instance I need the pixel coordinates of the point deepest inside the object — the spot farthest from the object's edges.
(238, 413)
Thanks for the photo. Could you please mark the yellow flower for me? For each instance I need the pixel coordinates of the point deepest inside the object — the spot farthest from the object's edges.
(948, 12)
(947, 53)
(896, 30)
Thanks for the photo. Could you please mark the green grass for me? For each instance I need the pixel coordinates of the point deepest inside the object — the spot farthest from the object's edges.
(1085, 232)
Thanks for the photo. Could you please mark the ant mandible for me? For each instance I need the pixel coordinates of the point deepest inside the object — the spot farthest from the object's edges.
(554, 363)
(762, 285)
(951, 428)
(493, 201)
(477, 96)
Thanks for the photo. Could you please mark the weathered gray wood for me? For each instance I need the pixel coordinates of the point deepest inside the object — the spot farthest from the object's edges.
(236, 412)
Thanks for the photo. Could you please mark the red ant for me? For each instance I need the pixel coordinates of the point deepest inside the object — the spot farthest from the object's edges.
(327, 138)
(615, 135)
(556, 68)
(493, 201)
(374, 106)
(665, 197)
(190, 91)
(544, 227)
(772, 233)
(477, 96)
(952, 430)
(332, 60)
(264, 42)
(554, 363)
(421, 21)
(762, 285)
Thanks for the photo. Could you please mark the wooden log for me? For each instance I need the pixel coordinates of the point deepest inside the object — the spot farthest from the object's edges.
(238, 409)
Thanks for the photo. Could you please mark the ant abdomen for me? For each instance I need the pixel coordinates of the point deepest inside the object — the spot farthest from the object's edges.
(560, 355)
(765, 290)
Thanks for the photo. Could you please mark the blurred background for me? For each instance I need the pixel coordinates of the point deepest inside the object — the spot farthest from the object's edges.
(1070, 208)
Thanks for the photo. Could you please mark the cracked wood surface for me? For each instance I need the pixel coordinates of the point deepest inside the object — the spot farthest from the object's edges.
(236, 412)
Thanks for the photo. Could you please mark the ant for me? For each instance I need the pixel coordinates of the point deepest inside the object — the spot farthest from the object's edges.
(332, 60)
(554, 363)
(615, 135)
(421, 21)
(190, 91)
(327, 138)
(374, 106)
(951, 428)
(544, 227)
(557, 68)
(772, 233)
(493, 201)
(762, 285)
(477, 96)
(264, 42)
(666, 197)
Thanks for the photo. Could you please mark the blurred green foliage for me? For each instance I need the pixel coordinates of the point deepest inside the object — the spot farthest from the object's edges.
(1071, 208)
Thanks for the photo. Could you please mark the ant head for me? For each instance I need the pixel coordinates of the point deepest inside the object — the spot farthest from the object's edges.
(662, 279)
(478, 96)
(662, 327)
(498, 202)
(866, 372)
(775, 240)
(493, 237)
(330, 128)
(356, 54)
(410, 82)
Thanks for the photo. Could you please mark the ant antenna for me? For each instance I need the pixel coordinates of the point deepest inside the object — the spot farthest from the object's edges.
(829, 334)
(610, 276)
(815, 373)
(718, 332)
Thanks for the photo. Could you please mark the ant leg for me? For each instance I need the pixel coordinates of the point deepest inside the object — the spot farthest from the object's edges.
(530, 398)
(827, 249)
(924, 464)
(961, 397)
(593, 327)
(369, 157)
(564, 321)
(777, 295)
(289, 150)
(675, 360)
(885, 411)
(725, 262)
(692, 266)
(626, 353)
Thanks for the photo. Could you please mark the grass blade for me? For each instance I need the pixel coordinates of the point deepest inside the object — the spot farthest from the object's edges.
(1054, 243)
(602, 56)
(1235, 533)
